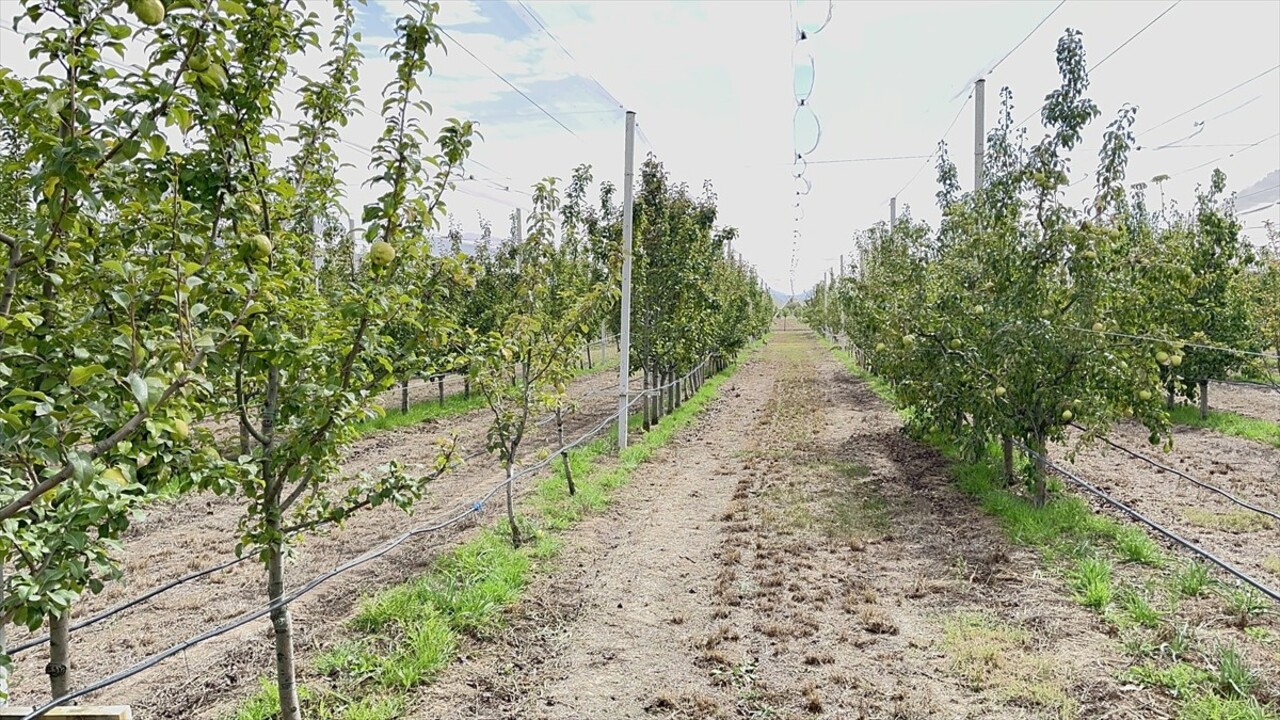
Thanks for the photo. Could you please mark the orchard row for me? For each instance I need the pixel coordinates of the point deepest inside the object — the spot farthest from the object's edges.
(150, 285)
(1021, 316)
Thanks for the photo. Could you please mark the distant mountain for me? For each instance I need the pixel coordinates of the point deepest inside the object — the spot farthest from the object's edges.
(1263, 192)
(781, 298)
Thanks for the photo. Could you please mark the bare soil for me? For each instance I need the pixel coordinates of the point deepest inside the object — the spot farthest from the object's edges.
(175, 538)
(1253, 401)
(793, 555)
(1248, 470)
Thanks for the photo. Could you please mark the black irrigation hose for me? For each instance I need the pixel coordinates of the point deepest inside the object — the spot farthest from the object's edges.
(1212, 488)
(128, 604)
(1172, 536)
(93, 619)
(249, 617)
(1273, 387)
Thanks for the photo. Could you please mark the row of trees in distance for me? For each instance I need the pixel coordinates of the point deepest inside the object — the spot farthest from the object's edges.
(176, 252)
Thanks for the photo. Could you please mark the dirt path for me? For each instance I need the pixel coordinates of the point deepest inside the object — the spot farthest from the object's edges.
(792, 555)
(199, 531)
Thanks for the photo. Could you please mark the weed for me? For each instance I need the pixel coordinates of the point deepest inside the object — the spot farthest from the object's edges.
(1234, 676)
(1091, 581)
(1271, 564)
(1136, 546)
(1245, 605)
(1180, 679)
(1138, 609)
(1213, 707)
(1192, 579)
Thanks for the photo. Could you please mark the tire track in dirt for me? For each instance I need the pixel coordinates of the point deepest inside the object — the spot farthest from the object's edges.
(199, 530)
(792, 555)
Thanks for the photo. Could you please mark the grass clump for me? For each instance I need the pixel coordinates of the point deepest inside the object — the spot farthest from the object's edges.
(988, 654)
(1233, 521)
(1091, 581)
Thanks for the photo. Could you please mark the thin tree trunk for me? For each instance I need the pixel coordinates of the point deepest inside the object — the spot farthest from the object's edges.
(4, 643)
(282, 627)
(590, 364)
(647, 406)
(1204, 399)
(404, 396)
(244, 440)
(281, 623)
(1169, 400)
(10, 279)
(1041, 486)
(440, 386)
(1006, 448)
(59, 667)
(511, 506)
(568, 470)
(466, 387)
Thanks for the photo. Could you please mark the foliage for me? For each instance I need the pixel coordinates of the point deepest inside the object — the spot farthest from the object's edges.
(1020, 317)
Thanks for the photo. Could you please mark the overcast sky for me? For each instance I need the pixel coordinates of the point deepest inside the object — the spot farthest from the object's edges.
(713, 86)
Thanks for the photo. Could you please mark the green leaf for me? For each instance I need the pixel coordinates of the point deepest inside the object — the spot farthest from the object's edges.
(80, 374)
(139, 388)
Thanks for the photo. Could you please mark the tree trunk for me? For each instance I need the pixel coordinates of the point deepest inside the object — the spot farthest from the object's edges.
(1040, 472)
(568, 469)
(1170, 397)
(466, 387)
(1006, 448)
(644, 422)
(59, 667)
(245, 439)
(404, 396)
(590, 364)
(282, 627)
(281, 624)
(1204, 399)
(4, 643)
(511, 506)
(440, 387)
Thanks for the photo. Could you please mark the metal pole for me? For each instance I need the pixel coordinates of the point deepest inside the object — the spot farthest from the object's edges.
(979, 130)
(624, 352)
(893, 212)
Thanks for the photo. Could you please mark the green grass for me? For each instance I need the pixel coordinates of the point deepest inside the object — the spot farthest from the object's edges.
(407, 634)
(454, 404)
(1070, 535)
(1229, 423)
(423, 411)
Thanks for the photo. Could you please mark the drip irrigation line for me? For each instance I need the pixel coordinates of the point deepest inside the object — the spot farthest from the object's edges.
(1167, 533)
(94, 619)
(1271, 386)
(246, 618)
(1183, 343)
(1207, 486)
(158, 590)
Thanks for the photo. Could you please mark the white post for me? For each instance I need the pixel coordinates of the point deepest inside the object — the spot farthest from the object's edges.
(624, 352)
(519, 238)
(979, 130)
(893, 212)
